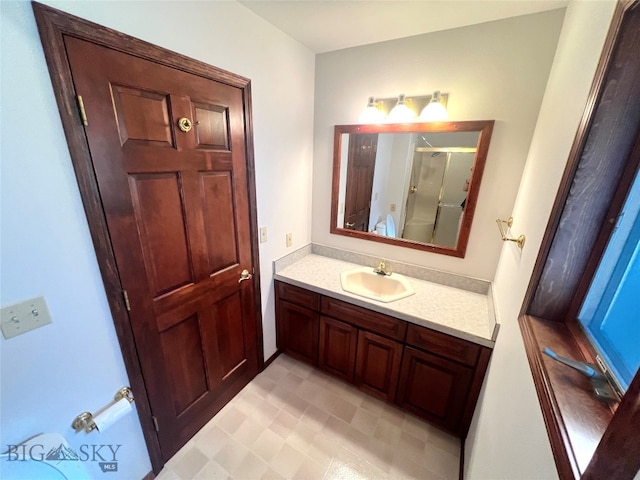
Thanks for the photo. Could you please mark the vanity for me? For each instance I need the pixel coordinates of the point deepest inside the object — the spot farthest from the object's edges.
(426, 353)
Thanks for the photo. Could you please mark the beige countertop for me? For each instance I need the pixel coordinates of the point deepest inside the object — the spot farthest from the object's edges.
(447, 309)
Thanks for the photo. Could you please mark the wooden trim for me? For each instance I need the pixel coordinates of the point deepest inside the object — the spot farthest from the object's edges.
(617, 455)
(149, 476)
(574, 418)
(609, 140)
(53, 25)
(480, 371)
(253, 220)
(608, 227)
(580, 139)
(271, 359)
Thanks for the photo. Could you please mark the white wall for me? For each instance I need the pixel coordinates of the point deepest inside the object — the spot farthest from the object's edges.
(74, 364)
(496, 70)
(507, 437)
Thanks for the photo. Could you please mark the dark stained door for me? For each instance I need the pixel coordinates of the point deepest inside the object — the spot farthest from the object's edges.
(177, 210)
(360, 168)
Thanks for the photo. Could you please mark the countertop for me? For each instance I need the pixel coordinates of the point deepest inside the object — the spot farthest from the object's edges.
(450, 310)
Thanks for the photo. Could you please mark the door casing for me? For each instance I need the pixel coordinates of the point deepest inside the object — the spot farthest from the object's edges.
(53, 24)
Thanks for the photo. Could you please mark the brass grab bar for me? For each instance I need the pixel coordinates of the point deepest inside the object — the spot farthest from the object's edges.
(518, 241)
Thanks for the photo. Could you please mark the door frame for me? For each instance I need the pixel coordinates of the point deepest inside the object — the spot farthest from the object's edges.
(53, 24)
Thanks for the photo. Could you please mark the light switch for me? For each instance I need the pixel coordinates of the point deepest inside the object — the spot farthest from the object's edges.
(24, 316)
(263, 234)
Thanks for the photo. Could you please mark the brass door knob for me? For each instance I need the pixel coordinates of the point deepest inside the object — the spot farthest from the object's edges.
(185, 124)
(245, 275)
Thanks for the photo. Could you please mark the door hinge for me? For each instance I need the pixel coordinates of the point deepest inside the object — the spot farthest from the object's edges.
(126, 300)
(155, 423)
(83, 112)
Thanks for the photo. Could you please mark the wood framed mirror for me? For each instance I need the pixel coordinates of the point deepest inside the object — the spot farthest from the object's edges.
(414, 185)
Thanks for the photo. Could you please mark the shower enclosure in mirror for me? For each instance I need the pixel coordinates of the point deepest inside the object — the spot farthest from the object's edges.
(413, 185)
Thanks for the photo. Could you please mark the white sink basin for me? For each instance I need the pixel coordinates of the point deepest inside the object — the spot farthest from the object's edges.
(364, 282)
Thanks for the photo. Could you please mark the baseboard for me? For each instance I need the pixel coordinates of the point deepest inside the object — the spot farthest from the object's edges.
(270, 360)
(461, 475)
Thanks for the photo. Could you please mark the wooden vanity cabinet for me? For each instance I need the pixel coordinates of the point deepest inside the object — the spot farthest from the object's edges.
(297, 322)
(378, 365)
(437, 376)
(433, 387)
(431, 374)
(337, 354)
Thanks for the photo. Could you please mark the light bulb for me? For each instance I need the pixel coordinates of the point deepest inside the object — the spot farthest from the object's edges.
(372, 114)
(435, 111)
(401, 113)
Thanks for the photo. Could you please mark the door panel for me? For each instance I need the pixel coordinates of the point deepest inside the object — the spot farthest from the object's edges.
(378, 365)
(158, 211)
(211, 126)
(185, 365)
(219, 222)
(298, 331)
(433, 387)
(177, 211)
(142, 116)
(337, 350)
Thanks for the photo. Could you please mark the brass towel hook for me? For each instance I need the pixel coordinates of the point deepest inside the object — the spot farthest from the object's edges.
(518, 241)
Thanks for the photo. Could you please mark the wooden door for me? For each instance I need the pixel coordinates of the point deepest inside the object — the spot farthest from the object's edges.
(434, 388)
(337, 353)
(297, 331)
(360, 168)
(177, 211)
(378, 365)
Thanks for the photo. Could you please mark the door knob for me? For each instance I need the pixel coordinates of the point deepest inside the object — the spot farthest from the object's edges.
(245, 275)
(185, 124)
(350, 225)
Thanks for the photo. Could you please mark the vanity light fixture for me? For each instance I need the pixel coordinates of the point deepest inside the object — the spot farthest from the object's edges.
(401, 113)
(372, 114)
(403, 109)
(435, 111)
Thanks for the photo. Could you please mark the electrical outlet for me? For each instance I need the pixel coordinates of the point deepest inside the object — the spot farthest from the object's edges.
(392, 207)
(263, 234)
(289, 239)
(24, 316)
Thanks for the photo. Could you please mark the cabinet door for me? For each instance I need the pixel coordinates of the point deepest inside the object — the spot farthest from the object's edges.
(378, 365)
(434, 388)
(297, 329)
(337, 348)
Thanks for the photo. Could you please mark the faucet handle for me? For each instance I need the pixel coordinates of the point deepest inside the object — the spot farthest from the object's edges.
(382, 268)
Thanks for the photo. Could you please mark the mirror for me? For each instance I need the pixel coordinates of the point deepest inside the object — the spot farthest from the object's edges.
(413, 185)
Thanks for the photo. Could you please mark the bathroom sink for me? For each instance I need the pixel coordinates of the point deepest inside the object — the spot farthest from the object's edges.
(384, 288)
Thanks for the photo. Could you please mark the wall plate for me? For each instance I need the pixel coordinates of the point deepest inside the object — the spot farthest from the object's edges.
(24, 316)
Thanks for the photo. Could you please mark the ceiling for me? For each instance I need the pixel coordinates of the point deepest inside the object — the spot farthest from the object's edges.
(327, 25)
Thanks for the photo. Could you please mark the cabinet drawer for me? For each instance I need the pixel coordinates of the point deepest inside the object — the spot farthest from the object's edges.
(298, 295)
(444, 345)
(363, 318)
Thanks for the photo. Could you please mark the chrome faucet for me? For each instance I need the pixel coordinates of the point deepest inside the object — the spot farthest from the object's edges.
(381, 269)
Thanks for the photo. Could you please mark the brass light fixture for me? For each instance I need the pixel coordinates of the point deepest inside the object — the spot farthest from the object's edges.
(403, 109)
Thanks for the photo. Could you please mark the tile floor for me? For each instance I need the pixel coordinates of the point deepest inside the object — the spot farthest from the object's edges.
(295, 422)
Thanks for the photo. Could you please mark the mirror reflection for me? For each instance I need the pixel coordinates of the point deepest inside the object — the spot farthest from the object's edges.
(413, 185)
